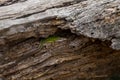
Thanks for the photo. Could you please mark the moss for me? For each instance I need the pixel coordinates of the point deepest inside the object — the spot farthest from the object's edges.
(50, 39)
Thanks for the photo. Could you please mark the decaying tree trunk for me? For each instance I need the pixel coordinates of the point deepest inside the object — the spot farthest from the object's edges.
(60, 39)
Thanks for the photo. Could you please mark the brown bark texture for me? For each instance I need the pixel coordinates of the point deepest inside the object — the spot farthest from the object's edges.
(59, 39)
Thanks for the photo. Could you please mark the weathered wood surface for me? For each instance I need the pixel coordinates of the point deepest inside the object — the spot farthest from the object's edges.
(72, 58)
(23, 24)
(92, 18)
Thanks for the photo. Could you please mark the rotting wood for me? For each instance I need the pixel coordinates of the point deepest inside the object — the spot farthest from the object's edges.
(24, 23)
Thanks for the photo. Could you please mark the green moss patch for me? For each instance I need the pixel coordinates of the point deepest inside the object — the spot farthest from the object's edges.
(50, 39)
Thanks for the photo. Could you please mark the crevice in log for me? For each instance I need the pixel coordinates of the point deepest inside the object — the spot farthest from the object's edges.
(10, 2)
(63, 51)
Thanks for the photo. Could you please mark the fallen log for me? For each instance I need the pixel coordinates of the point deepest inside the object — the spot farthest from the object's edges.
(59, 39)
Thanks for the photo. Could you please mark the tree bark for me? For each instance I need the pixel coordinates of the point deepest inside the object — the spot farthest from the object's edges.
(59, 39)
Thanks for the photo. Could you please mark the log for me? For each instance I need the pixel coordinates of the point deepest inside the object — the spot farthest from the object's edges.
(60, 39)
